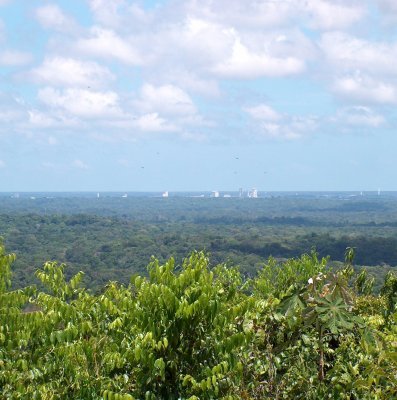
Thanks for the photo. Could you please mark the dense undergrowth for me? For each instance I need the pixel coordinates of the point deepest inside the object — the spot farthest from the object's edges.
(297, 330)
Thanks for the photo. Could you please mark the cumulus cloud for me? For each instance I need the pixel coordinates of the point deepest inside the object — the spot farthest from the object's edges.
(154, 123)
(119, 14)
(165, 99)
(61, 71)
(387, 5)
(107, 44)
(344, 51)
(223, 51)
(53, 17)
(334, 14)
(82, 102)
(39, 119)
(388, 10)
(320, 14)
(140, 70)
(269, 123)
(363, 88)
(256, 14)
(11, 58)
(363, 70)
(360, 116)
(189, 81)
(105, 10)
(205, 46)
(263, 112)
(246, 64)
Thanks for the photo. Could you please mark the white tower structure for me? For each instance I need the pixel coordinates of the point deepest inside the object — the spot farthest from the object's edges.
(253, 194)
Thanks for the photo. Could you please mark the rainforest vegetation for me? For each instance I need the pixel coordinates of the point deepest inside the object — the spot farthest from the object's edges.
(298, 329)
(244, 316)
(111, 238)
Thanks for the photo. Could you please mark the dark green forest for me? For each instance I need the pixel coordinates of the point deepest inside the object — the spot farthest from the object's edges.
(111, 238)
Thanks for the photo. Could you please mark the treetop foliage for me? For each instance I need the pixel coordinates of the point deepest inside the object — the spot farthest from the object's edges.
(296, 330)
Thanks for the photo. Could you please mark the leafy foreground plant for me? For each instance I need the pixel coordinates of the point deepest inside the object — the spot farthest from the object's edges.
(194, 332)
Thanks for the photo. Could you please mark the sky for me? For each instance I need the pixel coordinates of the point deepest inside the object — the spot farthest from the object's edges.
(122, 95)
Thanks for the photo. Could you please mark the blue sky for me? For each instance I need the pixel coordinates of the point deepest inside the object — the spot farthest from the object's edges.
(174, 95)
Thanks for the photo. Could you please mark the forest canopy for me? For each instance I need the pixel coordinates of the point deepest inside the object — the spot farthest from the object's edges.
(297, 329)
(112, 237)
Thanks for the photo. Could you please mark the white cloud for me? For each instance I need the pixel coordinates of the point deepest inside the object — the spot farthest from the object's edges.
(344, 51)
(199, 48)
(82, 102)
(321, 14)
(388, 5)
(267, 122)
(41, 120)
(359, 116)
(363, 88)
(79, 164)
(245, 64)
(190, 81)
(14, 58)
(165, 99)
(154, 123)
(123, 15)
(106, 12)
(203, 42)
(51, 118)
(334, 14)
(107, 44)
(192, 48)
(52, 17)
(263, 112)
(364, 70)
(60, 71)
(388, 9)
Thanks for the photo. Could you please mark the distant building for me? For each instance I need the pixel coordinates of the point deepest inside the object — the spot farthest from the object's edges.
(124, 195)
(240, 192)
(215, 194)
(165, 194)
(253, 194)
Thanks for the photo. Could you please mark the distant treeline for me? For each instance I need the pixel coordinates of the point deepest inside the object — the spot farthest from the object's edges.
(114, 247)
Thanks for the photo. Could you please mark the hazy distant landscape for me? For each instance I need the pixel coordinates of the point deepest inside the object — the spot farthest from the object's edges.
(113, 237)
